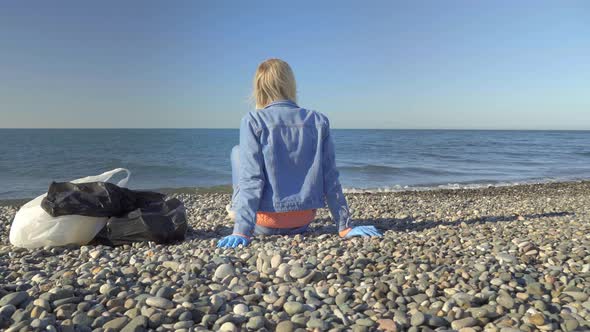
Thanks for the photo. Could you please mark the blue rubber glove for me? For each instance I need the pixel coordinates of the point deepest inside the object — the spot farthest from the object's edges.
(232, 241)
(363, 231)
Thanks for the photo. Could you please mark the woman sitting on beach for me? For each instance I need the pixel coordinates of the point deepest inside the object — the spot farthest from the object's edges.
(284, 168)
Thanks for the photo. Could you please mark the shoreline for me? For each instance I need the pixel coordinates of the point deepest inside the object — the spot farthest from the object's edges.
(227, 189)
(491, 259)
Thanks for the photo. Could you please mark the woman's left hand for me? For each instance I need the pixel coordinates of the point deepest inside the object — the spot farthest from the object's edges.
(232, 241)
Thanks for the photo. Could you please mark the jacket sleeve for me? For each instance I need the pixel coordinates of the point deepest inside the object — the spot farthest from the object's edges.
(332, 188)
(251, 181)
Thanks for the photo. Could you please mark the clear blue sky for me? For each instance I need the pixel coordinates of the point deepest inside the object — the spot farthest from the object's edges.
(373, 64)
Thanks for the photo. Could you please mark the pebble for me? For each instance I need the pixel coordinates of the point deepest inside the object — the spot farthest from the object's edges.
(14, 299)
(7, 310)
(298, 272)
(387, 325)
(223, 271)
(437, 268)
(275, 261)
(341, 298)
(228, 327)
(534, 289)
(537, 319)
(159, 302)
(315, 323)
(117, 323)
(82, 319)
(171, 265)
(506, 301)
(185, 324)
(435, 321)
(577, 295)
(505, 258)
(137, 324)
(241, 309)
(465, 322)
(285, 326)
(293, 308)
(570, 325)
(417, 319)
(365, 322)
(255, 323)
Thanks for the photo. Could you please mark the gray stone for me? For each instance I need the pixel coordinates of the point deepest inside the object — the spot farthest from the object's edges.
(228, 327)
(293, 308)
(410, 291)
(436, 321)
(67, 300)
(578, 296)
(20, 315)
(315, 323)
(479, 312)
(570, 325)
(20, 326)
(14, 299)
(223, 271)
(156, 320)
(137, 324)
(504, 257)
(341, 298)
(216, 302)
(171, 265)
(99, 322)
(159, 302)
(480, 267)
(285, 326)
(165, 292)
(7, 310)
(365, 322)
(275, 261)
(465, 322)
(241, 309)
(185, 316)
(59, 293)
(109, 290)
(255, 323)
(183, 324)
(506, 301)
(417, 319)
(39, 324)
(82, 319)
(117, 323)
(534, 289)
(298, 272)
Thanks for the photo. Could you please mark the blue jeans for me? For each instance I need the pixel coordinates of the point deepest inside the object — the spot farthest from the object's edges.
(258, 230)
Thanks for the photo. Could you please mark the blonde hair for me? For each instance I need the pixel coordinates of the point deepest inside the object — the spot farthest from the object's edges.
(274, 80)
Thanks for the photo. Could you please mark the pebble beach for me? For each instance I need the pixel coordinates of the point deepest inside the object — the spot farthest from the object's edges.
(513, 258)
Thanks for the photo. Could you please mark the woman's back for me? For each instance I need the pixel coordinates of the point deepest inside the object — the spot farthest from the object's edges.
(291, 139)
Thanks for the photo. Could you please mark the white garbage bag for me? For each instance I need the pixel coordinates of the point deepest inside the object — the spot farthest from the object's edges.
(32, 227)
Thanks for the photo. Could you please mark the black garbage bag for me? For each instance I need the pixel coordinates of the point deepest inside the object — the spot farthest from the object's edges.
(161, 222)
(95, 199)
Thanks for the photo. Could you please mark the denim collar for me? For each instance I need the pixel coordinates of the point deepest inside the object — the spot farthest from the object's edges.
(281, 102)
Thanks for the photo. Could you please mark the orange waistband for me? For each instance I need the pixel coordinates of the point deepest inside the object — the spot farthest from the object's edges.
(291, 219)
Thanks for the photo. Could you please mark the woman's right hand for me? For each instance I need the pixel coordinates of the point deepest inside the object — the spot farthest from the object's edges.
(232, 241)
(362, 231)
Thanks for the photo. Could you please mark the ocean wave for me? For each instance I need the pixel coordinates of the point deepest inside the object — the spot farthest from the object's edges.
(392, 170)
(455, 186)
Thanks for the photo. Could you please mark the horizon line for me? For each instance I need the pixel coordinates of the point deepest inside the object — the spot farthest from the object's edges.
(228, 128)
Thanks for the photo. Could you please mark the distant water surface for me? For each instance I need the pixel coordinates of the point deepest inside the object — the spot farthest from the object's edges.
(368, 159)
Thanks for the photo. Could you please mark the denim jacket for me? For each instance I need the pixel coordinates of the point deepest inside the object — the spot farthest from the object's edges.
(287, 163)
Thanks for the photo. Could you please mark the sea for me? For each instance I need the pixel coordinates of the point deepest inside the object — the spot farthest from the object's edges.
(368, 160)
